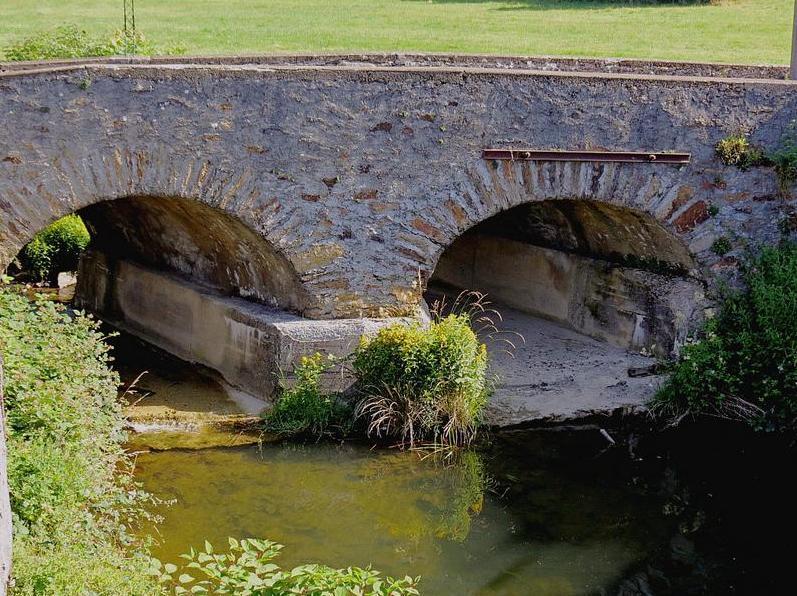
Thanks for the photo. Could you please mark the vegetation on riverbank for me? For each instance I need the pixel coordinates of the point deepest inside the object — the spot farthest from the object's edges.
(74, 501)
(744, 365)
(56, 248)
(75, 504)
(745, 31)
(248, 569)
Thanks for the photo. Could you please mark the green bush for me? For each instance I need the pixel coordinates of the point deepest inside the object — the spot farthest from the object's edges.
(745, 364)
(73, 499)
(248, 570)
(419, 384)
(784, 160)
(304, 409)
(736, 150)
(70, 41)
(56, 248)
(721, 246)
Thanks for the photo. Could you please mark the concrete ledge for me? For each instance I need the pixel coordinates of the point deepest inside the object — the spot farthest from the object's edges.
(438, 60)
(249, 344)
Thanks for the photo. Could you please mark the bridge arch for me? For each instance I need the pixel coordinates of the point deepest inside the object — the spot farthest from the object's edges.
(192, 217)
(591, 246)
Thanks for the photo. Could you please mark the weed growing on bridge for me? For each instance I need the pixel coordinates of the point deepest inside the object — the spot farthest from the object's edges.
(784, 160)
(721, 246)
(736, 150)
(744, 366)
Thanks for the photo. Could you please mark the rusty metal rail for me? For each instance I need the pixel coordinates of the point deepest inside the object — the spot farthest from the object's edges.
(613, 156)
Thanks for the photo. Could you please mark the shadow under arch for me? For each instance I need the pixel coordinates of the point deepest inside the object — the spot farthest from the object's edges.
(611, 272)
(193, 240)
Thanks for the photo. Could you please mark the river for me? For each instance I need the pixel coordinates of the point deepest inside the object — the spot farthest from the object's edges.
(543, 512)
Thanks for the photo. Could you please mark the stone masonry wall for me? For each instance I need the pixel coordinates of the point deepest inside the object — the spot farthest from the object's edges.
(360, 176)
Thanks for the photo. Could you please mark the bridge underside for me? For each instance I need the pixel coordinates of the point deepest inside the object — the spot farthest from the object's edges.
(584, 290)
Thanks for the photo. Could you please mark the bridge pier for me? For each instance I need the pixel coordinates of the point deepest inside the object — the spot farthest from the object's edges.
(251, 345)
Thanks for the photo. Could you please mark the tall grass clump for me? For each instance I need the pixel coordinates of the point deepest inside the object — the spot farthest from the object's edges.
(303, 409)
(744, 365)
(56, 248)
(419, 384)
(73, 498)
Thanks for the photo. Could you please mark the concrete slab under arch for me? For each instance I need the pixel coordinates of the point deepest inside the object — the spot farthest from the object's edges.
(559, 375)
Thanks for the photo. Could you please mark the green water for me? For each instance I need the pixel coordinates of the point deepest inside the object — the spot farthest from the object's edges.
(464, 527)
(701, 510)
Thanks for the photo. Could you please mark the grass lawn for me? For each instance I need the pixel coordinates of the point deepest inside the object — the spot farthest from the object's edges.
(744, 31)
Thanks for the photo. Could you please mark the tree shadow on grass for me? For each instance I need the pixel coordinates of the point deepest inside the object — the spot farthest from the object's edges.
(571, 4)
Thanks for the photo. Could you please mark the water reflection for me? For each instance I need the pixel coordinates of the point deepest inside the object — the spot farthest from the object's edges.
(345, 505)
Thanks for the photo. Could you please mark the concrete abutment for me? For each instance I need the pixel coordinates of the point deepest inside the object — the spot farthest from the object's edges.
(252, 346)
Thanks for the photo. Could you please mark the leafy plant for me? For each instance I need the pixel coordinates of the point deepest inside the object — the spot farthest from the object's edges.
(784, 160)
(56, 248)
(304, 409)
(423, 384)
(70, 41)
(736, 150)
(721, 246)
(73, 498)
(744, 366)
(248, 570)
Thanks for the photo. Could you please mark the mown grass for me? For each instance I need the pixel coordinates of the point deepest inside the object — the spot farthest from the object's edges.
(743, 31)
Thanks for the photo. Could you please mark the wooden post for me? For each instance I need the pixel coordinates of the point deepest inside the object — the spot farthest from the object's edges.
(794, 46)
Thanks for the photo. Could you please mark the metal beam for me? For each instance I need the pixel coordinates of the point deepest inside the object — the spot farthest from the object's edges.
(613, 156)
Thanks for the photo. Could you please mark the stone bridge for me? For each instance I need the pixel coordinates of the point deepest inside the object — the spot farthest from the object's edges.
(245, 211)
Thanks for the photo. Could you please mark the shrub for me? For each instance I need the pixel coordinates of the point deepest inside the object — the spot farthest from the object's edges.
(745, 365)
(421, 384)
(304, 409)
(736, 150)
(70, 41)
(721, 246)
(784, 160)
(73, 498)
(248, 570)
(56, 248)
